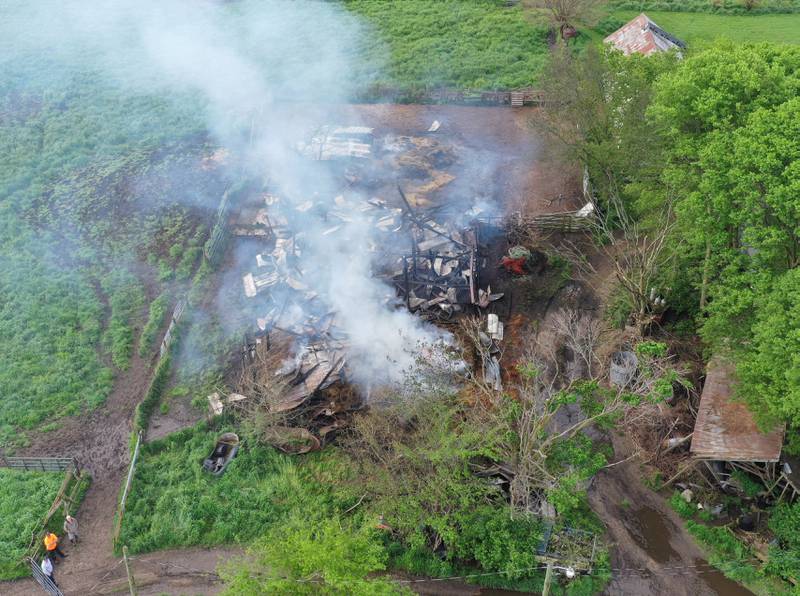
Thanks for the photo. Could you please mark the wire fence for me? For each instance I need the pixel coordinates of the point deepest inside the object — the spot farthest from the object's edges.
(129, 479)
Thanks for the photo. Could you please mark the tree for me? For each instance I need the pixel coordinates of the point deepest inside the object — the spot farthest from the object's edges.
(564, 15)
(732, 123)
(596, 118)
(303, 556)
(769, 367)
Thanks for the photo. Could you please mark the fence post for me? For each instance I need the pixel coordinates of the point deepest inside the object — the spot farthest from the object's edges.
(124, 498)
(548, 577)
(131, 582)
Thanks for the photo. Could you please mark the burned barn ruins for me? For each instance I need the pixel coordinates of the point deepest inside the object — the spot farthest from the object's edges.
(387, 196)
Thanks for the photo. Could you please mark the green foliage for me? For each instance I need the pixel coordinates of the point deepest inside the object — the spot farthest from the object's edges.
(573, 462)
(784, 558)
(126, 298)
(712, 6)
(147, 406)
(732, 114)
(727, 553)
(751, 488)
(303, 556)
(25, 497)
(681, 507)
(155, 318)
(480, 44)
(600, 120)
(498, 541)
(174, 503)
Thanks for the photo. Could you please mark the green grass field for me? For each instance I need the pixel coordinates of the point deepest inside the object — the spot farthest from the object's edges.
(695, 28)
(475, 44)
(174, 503)
(25, 497)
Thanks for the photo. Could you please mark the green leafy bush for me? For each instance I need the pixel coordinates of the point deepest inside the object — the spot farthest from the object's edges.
(728, 554)
(681, 507)
(338, 557)
(151, 399)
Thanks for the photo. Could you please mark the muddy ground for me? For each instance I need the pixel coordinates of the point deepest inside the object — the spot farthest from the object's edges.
(515, 178)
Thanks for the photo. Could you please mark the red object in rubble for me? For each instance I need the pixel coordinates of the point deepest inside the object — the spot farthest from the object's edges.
(516, 266)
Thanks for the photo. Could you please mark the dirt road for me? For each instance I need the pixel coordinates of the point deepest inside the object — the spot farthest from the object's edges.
(650, 550)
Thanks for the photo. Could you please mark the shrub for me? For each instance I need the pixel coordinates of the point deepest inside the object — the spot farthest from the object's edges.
(681, 507)
(155, 318)
(148, 405)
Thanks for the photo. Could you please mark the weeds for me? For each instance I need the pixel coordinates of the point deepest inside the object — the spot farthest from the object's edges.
(24, 499)
(155, 318)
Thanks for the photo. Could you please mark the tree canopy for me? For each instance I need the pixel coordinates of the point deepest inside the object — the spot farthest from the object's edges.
(731, 116)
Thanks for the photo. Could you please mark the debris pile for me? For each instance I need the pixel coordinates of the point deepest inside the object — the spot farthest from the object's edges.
(431, 266)
(338, 142)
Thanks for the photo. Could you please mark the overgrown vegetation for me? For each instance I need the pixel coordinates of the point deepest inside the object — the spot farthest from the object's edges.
(25, 498)
(155, 319)
(482, 44)
(713, 6)
(336, 557)
(174, 503)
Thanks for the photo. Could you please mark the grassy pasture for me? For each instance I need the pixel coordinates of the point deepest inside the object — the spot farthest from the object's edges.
(475, 44)
(696, 28)
(174, 503)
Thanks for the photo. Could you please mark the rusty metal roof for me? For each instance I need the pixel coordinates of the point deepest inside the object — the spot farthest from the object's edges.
(725, 429)
(643, 36)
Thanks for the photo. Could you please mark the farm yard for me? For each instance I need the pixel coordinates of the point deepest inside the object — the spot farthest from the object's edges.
(451, 278)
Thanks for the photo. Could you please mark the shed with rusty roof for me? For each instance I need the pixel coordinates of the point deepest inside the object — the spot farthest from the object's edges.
(643, 36)
(725, 429)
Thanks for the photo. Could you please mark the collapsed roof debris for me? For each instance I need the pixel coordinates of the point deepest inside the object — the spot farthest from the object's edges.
(336, 142)
(432, 261)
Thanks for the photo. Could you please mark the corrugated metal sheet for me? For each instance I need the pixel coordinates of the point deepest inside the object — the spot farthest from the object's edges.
(643, 36)
(725, 429)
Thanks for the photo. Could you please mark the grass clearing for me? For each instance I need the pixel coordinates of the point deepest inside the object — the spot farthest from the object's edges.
(696, 28)
(480, 44)
(174, 503)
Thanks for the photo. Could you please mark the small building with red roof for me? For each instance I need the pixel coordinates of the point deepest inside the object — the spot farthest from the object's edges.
(643, 36)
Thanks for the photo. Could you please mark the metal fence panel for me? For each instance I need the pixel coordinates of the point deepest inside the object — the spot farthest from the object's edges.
(45, 582)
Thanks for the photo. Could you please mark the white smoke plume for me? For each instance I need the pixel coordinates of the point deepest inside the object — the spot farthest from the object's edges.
(245, 60)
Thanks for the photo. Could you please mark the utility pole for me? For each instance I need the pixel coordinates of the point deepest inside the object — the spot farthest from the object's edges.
(548, 577)
(131, 582)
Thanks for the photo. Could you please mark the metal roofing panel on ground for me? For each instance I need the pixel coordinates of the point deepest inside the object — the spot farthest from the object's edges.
(725, 429)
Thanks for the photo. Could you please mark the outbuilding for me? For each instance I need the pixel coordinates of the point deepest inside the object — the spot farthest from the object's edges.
(643, 36)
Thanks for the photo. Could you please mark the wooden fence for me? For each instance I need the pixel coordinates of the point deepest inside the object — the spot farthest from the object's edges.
(180, 307)
(123, 500)
(443, 95)
(38, 464)
(567, 222)
(219, 233)
(66, 497)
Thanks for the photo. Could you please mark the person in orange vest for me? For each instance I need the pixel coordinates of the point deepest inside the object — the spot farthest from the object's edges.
(51, 545)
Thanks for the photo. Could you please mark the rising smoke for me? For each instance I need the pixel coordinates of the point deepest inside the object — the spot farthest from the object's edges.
(244, 61)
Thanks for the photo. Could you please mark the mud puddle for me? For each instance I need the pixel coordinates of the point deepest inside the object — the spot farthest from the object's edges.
(652, 533)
